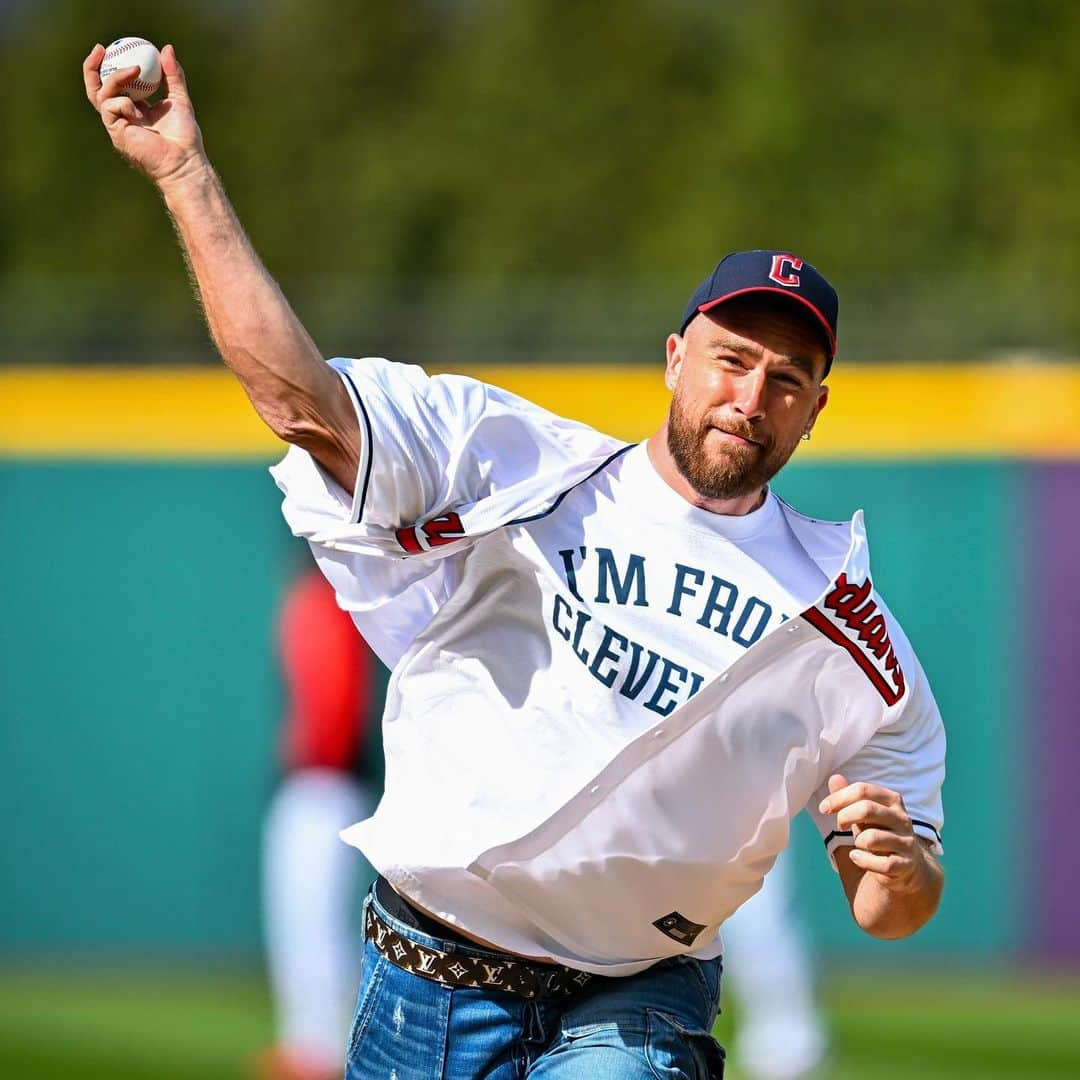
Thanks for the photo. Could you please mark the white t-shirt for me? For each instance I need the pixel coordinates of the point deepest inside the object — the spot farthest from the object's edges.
(606, 703)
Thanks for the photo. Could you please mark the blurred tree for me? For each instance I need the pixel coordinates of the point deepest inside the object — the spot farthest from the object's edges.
(521, 178)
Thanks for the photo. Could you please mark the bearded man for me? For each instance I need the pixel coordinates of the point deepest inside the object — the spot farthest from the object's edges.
(618, 671)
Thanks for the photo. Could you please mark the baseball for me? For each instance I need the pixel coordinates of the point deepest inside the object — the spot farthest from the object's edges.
(127, 52)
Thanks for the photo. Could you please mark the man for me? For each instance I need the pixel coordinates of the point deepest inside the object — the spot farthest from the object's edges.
(618, 672)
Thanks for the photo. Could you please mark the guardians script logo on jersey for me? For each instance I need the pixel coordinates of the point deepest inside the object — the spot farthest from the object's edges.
(860, 628)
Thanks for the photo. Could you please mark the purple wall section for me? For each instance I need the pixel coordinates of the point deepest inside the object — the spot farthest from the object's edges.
(1055, 644)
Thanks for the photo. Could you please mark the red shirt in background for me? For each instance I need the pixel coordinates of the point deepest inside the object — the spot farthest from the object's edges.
(330, 679)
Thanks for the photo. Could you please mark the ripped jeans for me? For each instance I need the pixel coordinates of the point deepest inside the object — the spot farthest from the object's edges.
(642, 1027)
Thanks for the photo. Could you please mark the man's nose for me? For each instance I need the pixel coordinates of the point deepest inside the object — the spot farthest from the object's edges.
(750, 397)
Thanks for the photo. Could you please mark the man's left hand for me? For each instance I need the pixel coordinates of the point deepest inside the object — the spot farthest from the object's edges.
(892, 881)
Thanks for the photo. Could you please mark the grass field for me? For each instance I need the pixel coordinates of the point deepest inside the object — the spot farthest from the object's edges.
(934, 1026)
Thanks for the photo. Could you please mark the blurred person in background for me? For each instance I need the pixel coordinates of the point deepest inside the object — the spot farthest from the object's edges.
(332, 776)
(780, 1033)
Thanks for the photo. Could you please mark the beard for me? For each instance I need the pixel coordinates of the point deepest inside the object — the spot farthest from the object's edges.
(729, 470)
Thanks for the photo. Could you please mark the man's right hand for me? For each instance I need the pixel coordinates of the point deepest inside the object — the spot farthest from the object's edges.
(162, 140)
(300, 398)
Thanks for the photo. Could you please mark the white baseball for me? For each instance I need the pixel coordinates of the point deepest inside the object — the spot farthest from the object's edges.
(127, 52)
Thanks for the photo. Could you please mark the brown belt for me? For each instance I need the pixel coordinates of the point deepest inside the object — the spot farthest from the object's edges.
(491, 972)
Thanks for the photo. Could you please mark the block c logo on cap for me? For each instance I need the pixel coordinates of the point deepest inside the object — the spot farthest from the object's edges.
(789, 279)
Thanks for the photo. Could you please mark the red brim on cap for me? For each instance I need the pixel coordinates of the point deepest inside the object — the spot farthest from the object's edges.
(829, 335)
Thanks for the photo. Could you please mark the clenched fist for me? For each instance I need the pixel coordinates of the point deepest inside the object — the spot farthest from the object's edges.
(892, 881)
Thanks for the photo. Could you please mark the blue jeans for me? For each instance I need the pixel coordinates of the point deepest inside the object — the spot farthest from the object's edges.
(642, 1027)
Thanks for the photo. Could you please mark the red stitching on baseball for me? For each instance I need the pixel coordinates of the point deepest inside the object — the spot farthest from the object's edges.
(112, 51)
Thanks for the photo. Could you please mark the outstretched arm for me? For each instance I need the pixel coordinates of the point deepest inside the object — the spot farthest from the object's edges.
(892, 881)
(259, 337)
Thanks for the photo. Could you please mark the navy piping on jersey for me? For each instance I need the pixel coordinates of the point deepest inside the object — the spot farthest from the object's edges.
(555, 505)
(927, 825)
(370, 446)
(914, 821)
(835, 833)
(807, 517)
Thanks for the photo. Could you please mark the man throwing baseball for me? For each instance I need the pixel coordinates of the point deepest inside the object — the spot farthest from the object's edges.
(618, 671)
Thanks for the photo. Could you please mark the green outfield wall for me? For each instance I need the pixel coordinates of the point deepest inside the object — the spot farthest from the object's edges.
(141, 701)
(139, 683)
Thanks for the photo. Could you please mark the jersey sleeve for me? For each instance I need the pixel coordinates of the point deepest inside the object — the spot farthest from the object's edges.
(907, 756)
(429, 444)
(415, 436)
(421, 440)
(443, 448)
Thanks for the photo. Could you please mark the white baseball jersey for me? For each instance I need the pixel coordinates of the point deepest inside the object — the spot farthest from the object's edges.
(606, 704)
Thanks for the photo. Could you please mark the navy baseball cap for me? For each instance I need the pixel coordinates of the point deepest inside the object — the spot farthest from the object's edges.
(772, 272)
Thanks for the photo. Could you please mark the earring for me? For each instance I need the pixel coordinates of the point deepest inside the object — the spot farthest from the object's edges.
(806, 436)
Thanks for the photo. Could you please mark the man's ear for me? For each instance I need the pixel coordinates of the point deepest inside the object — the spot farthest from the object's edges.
(676, 349)
(822, 401)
